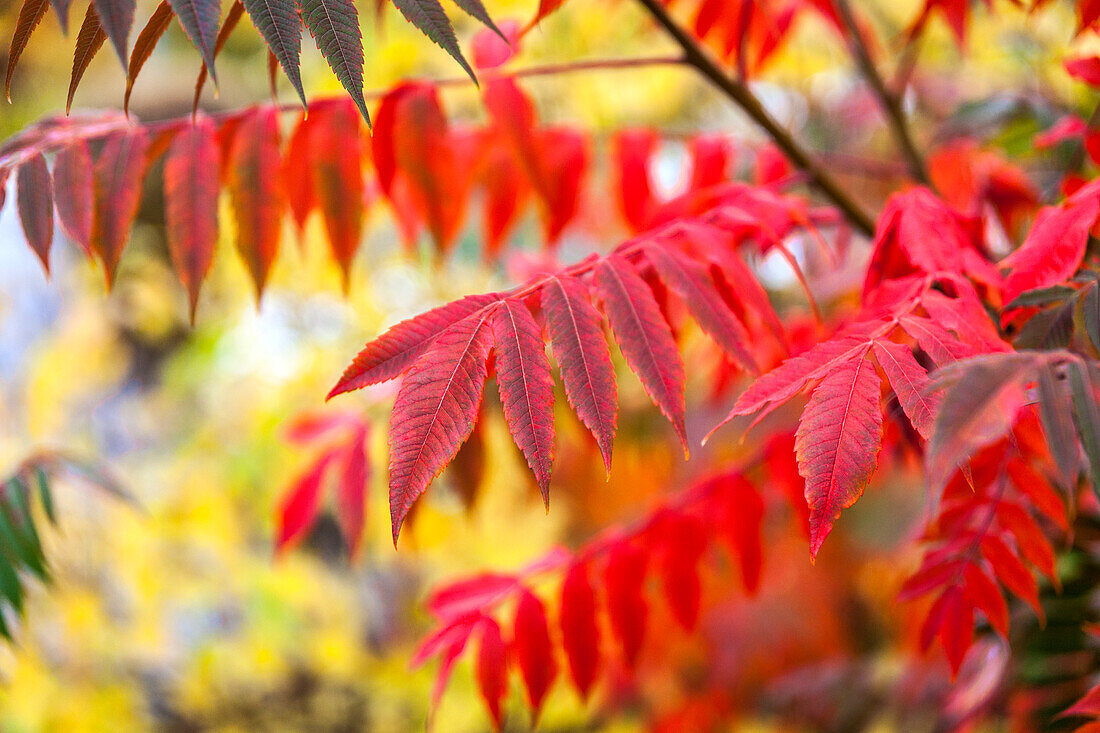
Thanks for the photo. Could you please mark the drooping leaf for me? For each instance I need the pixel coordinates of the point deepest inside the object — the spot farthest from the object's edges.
(692, 283)
(337, 183)
(546, 7)
(1057, 419)
(435, 410)
(492, 669)
(979, 407)
(684, 543)
(199, 19)
(30, 15)
(1087, 416)
(89, 40)
(116, 17)
(644, 337)
(281, 27)
(119, 170)
(533, 650)
(838, 441)
(469, 595)
(394, 351)
(297, 186)
(563, 163)
(1090, 310)
(352, 490)
(34, 201)
(476, 10)
(580, 633)
(143, 47)
(632, 151)
(526, 388)
(191, 176)
(627, 611)
(910, 383)
(335, 26)
(255, 192)
(232, 18)
(429, 19)
(580, 348)
(300, 506)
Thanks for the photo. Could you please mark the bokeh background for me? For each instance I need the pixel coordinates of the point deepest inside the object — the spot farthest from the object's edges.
(174, 612)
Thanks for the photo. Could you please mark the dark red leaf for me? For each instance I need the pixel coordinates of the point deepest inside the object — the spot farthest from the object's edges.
(73, 192)
(526, 388)
(34, 201)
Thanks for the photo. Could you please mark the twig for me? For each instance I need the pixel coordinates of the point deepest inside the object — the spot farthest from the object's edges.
(739, 92)
(888, 100)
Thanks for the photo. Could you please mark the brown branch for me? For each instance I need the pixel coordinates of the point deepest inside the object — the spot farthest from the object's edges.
(888, 100)
(739, 92)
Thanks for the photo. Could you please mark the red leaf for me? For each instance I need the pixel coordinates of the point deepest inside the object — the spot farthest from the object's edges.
(31, 14)
(546, 7)
(191, 203)
(533, 650)
(1011, 571)
(710, 157)
(838, 442)
(255, 192)
(579, 631)
(631, 151)
(953, 619)
(684, 543)
(740, 522)
(469, 595)
(394, 351)
(490, 51)
(448, 642)
(297, 186)
(506, 193)
(984, 594)
(436, 409)
(937, 341)
(526, 388)
(118, 174)
(692, 283)
(337, 181)
(579, 346)
(34, 201)
(910, 383)
(73, 192)
(299, 507)
(89, 40)
(492, 670)
(1054, 247)
(563, 161)
(351, 492)
(626, 607)
(644, 337)
(1084, 68)
(1087, 706)
(143, 47)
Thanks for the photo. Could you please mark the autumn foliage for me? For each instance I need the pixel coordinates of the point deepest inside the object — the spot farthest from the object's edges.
(944, 346)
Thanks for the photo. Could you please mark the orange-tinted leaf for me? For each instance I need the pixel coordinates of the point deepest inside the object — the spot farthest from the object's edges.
(191, 177)
(89, 40)
(338, 180)
(30, 15)
(255, 192)
(143, 47)
(119, 171)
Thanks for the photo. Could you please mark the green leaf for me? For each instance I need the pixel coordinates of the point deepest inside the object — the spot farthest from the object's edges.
(475, 9)
(281, 28)
(10, 587)
(1041, 296)
(335, 25)
(199, 19)
(1090, 310)
(429, 18)
(1087, 417)
(44, 494)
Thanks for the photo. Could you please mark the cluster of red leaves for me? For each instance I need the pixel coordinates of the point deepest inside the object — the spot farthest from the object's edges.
(444, 353)
(342, 461)
(602, 606)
